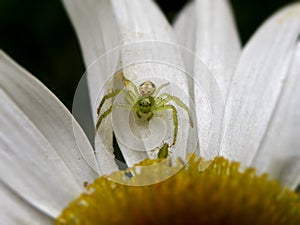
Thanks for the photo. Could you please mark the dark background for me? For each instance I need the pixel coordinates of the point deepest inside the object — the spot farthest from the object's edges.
(39, 36)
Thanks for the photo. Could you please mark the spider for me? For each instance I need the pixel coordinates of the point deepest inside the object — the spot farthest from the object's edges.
(144, 101)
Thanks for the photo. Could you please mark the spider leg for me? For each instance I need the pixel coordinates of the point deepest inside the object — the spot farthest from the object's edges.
(127, 83)
(162, 101)
(108, 96)
(159, 88)
(138, 114)
(130, 97)
(150, 116)
(108, 111)
(175, 119)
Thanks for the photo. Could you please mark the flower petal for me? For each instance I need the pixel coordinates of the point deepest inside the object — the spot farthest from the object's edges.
(208, 29)
(279, 151)
(16, 211)
(29, 165)
(133, 27)
(39, 151)
(262, 111)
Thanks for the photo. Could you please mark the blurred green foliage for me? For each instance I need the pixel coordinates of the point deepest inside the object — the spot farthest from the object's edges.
(39, 36)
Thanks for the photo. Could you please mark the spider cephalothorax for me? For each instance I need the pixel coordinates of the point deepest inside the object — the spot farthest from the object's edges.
(144, 101)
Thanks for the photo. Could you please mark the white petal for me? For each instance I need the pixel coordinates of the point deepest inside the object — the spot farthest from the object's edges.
(50, 116)
(16, 211)
(40, 159)
(208, 29)
(262, 111)
(105, 25)
(279, 151)
(29, 165)
(185, 26)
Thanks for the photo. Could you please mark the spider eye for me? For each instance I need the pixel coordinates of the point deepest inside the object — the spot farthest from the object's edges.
(147, 88)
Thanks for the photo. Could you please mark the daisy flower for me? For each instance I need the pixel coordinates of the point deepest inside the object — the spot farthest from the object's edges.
(46, 160)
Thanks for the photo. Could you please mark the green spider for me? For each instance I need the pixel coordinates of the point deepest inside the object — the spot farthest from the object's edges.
(144, 101)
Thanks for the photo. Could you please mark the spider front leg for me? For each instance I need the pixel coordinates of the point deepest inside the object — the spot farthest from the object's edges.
(175, 119)
(162, 101)
(103, 116)
(108, 96)
(108, 111)
(160, 87)
(127, 83)
(130, 97)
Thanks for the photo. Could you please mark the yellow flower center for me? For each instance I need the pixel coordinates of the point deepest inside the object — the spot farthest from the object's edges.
(219, 195)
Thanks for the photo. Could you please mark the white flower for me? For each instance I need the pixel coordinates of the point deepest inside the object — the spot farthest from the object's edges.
(44, 167)
(262, 115)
